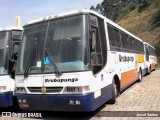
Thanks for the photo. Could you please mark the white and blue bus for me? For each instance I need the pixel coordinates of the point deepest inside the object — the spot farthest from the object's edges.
(76, 61)
(150, 58)
(9, 41)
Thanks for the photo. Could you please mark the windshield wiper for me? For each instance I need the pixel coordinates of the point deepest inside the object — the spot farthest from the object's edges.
(58, 72)
(31, 58)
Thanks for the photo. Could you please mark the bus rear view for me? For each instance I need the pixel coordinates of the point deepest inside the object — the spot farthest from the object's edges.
(9, 42)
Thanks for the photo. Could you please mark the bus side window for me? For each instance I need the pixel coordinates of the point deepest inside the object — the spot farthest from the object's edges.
(14, 44)
(124, 38)
(111, 36)
(114, 37)
(147, 53)
(150, 50)
(93, 40)
(96, 49)
(136, 45)
(142, 47)
(117, 38)
(128, 44)
(13, 51)
(132, 41)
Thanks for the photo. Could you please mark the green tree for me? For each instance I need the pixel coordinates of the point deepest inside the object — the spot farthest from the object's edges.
(92, 8)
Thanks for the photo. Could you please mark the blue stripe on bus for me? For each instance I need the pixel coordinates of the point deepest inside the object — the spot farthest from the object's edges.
(144, 72)
(6, 99)
(148, 70)
(60, 102)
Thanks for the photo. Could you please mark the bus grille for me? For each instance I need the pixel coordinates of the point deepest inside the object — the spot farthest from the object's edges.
(48, 89)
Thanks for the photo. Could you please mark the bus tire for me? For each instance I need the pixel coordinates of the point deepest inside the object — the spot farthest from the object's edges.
(115, 92)
(140, 75)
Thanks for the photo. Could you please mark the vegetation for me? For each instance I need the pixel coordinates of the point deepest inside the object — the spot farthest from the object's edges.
(140, 17)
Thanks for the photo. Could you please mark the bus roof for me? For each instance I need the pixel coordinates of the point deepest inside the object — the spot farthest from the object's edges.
(148, 44)
(10, 28)
(81, 11)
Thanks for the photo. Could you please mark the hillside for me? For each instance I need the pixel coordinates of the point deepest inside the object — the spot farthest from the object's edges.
(144, 22)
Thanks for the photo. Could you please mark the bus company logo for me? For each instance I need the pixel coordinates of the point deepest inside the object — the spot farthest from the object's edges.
(126, 58)
(62, 80)
(43, 90)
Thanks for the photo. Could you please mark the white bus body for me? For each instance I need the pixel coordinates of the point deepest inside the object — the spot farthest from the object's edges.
(150, 57)
(9, 41)
(76, 61)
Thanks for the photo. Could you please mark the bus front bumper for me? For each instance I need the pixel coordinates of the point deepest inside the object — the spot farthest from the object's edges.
(6, 99)
(56, 102)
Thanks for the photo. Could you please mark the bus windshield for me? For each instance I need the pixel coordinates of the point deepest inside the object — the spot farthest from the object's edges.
(54, 46)
(4, 37)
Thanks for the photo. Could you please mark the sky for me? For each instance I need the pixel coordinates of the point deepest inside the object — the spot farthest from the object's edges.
(33, 9)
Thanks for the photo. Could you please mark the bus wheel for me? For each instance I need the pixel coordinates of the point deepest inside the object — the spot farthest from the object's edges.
(115, 92)
(140, 75)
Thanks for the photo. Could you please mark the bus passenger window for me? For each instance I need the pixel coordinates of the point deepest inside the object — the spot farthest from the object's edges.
(117, 38)
(114, 37)
(111, 36)
(124, 38)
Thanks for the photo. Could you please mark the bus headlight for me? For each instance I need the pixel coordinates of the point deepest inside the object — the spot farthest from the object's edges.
(3, 88)
(21, 90)
(74, 89)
